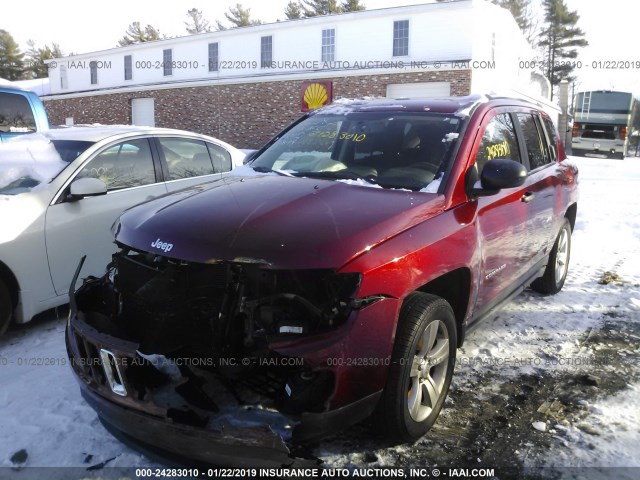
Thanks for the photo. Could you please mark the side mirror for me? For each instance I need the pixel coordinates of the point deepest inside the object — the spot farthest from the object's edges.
(87, 187)
(500, 173)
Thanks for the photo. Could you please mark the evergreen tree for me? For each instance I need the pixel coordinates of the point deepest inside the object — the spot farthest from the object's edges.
(11, 59)
(37, 68)
(239, 17)
(520, 9)
(314, 8)
(136, 34)
(195, 23)
(559, 39)
(293, 11)
(352, 6)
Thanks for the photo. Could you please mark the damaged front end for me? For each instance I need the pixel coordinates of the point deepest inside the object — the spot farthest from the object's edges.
(199, 359)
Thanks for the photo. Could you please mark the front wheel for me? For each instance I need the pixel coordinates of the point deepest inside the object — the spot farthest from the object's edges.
(6, 310)
(422, 366)
(556, 272)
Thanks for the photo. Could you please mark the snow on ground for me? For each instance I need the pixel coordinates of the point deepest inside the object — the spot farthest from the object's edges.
(566, 364)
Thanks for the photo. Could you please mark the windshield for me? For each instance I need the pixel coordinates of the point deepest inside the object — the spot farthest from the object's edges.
(32, 160)
(406, 150)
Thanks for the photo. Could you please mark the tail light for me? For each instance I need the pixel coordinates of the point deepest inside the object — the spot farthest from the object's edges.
(576, 128)
(623, 133)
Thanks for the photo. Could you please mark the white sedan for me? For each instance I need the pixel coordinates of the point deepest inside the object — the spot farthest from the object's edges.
(61, 190)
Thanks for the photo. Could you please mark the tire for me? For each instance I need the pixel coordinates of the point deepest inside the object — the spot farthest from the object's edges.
(414, 395)
(555, 274)
(6, 310)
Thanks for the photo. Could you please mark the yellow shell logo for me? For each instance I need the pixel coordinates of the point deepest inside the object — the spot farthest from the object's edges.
(315, 95)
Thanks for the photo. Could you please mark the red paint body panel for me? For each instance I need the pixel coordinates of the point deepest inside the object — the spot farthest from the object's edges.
(278, 221)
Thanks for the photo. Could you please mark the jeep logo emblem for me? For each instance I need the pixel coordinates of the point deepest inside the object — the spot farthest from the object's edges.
(164, 246)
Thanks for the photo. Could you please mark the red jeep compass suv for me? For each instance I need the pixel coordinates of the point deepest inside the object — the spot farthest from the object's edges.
(330, 279)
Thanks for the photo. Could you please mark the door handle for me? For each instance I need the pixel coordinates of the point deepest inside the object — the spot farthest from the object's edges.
(527, 197)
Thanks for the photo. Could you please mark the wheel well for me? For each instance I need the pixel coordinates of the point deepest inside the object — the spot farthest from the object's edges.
(10, 281)
(455, 288)
(571, 214)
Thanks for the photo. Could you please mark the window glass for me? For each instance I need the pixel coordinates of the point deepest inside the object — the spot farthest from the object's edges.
(536, 151)
(220, 157)
(553, 139)
(393, 150)
(186, 158)
(498, 141)
(125, 165)
(16, 114)
(167, 62)
(328, 45)
(128, 67)
(213, 57)
(266, 51)
(93, 67)
(401, 38)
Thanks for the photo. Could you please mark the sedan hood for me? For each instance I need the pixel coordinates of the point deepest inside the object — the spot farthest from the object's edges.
(281, 222)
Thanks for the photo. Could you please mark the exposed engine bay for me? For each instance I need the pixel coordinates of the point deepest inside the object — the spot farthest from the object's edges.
(198, 344)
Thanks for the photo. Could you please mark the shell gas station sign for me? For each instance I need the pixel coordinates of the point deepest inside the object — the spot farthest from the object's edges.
(315, 95)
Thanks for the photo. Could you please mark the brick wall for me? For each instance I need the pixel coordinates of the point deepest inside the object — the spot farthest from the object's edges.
(245, 115)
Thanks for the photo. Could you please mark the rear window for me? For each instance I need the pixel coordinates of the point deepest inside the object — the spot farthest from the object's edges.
(599, 132)
(16, 114)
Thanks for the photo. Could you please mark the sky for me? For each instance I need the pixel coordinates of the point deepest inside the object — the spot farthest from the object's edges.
(80, 26)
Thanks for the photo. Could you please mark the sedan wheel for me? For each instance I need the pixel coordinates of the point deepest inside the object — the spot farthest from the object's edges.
(421, 369)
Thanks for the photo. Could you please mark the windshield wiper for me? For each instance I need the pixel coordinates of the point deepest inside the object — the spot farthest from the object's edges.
(269, 170)
(339, 175)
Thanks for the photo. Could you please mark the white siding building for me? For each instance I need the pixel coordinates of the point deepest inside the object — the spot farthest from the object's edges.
(244, 84)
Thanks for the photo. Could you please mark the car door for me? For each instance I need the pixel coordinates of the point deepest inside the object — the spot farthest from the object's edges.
(83, 227)
(502, 219)
(188, 161)
(543, 180)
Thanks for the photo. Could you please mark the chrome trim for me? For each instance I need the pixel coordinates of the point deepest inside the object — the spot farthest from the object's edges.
(116, 387)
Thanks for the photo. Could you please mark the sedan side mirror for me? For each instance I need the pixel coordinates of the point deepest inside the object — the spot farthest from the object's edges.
(500, 173)
(87, 187)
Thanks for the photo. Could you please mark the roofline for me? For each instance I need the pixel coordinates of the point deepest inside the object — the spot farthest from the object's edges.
(452, 4)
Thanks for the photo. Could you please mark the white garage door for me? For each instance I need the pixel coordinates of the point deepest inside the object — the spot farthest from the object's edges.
(143, 112)
(419, 90)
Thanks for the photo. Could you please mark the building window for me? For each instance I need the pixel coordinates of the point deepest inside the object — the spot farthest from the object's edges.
(266, 51)
(93, 67)
(167, 62)
(401, 38)
(63, 76)
(128, 67)
(328, 45)
(213, 57)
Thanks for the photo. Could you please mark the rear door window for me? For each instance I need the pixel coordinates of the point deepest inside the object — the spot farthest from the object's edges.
(534, 140)
(186, 158)
(553, 138)
(220, 157)
(16, 114)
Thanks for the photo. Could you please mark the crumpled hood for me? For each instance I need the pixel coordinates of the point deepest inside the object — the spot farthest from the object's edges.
(282, 222)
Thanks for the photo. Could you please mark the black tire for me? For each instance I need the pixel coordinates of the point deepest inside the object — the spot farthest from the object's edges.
(555, 274)
(6, 309)
(422, 317)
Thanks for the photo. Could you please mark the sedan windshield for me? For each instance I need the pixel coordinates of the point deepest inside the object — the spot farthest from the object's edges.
(32, 160)
(405, 150)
